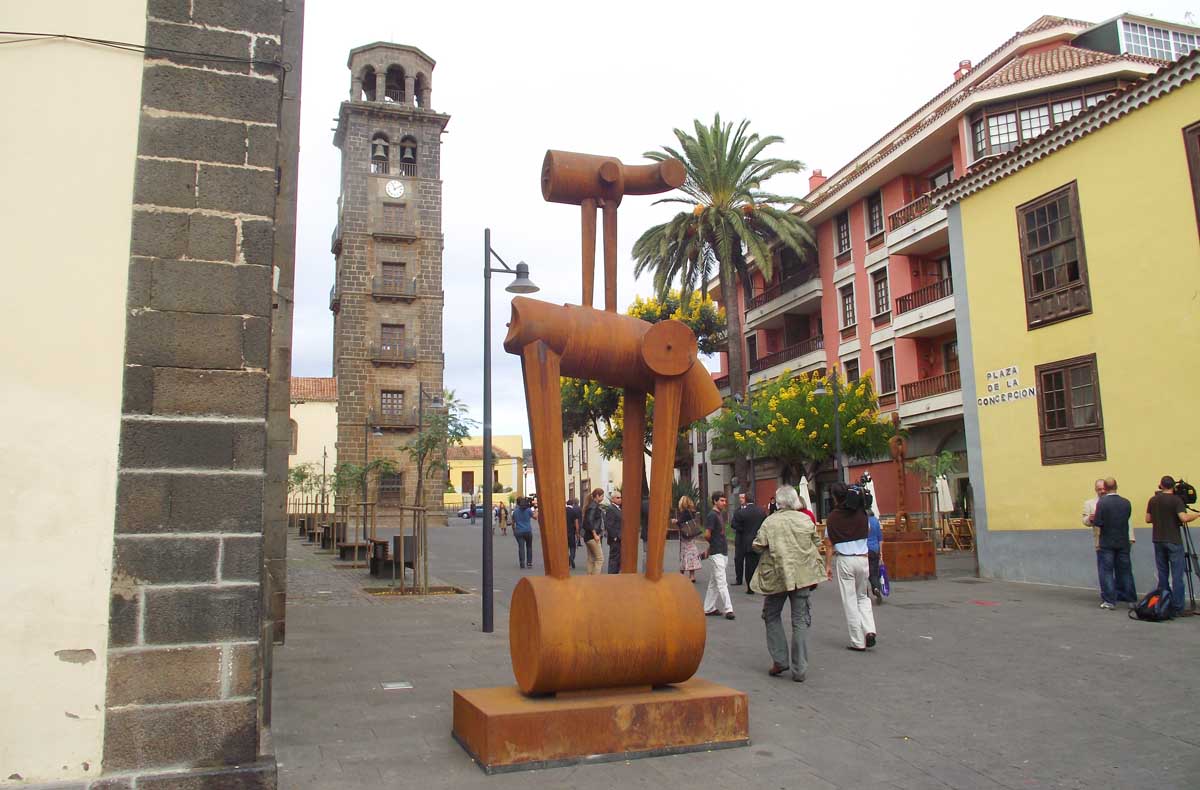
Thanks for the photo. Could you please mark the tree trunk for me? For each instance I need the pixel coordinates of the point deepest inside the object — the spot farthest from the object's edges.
(736, 354)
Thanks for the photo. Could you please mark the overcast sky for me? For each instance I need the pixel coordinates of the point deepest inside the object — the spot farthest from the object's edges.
(615, 78)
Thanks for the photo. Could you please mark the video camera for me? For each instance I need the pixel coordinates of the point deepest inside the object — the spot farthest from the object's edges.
(1185, 491)
(858, 496)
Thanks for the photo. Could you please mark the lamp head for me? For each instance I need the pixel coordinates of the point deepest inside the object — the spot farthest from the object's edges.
(521, 284)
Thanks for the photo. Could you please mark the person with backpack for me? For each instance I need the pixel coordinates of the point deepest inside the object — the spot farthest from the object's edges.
(847, 528)
(1112, 555)
(523, 532)
(1169, 516)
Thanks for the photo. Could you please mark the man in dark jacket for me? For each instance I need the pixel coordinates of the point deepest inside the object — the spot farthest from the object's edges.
(746, 521)
(847, 528)
(612, 523)
(574, 526)
(1112, 555)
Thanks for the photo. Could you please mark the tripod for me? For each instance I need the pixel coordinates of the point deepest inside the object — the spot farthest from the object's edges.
(1191, 563)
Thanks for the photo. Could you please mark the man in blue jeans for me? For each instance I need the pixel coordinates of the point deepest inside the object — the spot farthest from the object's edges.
(1112, 553)
(523, 531)
(1169, 514)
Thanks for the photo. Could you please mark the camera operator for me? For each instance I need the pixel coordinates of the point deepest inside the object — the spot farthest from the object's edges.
(847, 528)
(1167, 512)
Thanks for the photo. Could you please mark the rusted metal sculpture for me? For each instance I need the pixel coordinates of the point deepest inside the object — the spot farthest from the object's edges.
(610, 638)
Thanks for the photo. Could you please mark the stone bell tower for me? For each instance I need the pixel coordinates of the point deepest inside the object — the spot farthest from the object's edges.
(387, 295)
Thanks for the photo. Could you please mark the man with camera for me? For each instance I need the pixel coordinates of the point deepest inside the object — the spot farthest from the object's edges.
(847, 527)
(1168, 513)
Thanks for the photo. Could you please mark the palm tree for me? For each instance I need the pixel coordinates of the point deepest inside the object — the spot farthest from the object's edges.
(732, 226)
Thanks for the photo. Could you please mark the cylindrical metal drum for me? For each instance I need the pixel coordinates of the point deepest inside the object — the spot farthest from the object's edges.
(605, 631)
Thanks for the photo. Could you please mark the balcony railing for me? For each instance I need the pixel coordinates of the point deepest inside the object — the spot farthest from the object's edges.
(923, 296)
(406, 288)
(335, 241)
(408, 168)
(334, 302)
(806, 346)
(394, 95)
(800, 277)
(910, 211)
(389, 352)
(398, 418)
(935, 385)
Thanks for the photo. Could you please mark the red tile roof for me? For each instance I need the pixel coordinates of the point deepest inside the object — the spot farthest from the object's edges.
(1055, 61)
(314, 389)
(473, 452)
(1049, 22)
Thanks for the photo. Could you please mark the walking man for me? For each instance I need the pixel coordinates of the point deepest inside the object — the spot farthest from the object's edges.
(847, 528)
(613, 520)
(717, 594)
(523, 532)
(1112, 555)
(788, 570)
(574, 520)
(746, 521)
(593, 531)
(874, 553)
(1169, 514)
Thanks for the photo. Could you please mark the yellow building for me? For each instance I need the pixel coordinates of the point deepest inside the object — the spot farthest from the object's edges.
(313, 423)
(1080, 257)
(466, 470)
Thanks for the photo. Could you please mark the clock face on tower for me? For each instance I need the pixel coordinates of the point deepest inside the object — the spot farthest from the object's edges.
(394, 188)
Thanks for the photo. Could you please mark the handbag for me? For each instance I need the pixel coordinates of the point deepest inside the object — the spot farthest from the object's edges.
(885, 585)
(690, 529)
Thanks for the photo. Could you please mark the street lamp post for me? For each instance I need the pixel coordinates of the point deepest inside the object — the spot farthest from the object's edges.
(369, 430)
(520, 285)
(746, 420)
(838, 469)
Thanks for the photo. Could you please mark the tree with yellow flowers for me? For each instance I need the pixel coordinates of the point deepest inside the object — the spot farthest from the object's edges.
(788, 421)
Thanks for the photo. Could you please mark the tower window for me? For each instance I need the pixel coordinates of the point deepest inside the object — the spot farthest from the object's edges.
(408, 155)
(394, 85)
(379, 154)
(368, 84)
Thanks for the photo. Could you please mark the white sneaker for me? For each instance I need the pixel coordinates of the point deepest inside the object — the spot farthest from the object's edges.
(1106, 605)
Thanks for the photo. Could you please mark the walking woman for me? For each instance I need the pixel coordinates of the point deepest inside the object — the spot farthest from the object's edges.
(688, 522)
(789, 569)
(593, 529)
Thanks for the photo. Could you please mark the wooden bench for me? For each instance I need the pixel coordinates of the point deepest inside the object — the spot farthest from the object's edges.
(358, 551)
(381, 562)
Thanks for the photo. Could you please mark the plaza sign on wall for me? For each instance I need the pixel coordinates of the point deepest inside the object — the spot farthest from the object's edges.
(1003, 386)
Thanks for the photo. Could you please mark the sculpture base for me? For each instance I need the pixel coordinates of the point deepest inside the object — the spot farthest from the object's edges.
(505, 730)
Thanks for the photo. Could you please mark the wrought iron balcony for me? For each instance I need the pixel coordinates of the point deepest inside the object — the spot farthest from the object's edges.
(806, 346)
(335, 241)
(910, 211)
(395, 95)
(404, 354)
(923, 296)
(394, 289)
(934, 385)
(334, 298)
(408, 168)
(803, 275)
(397, 418)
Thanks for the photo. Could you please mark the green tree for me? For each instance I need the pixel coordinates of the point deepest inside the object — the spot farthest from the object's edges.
(732, 221)
(787, 420)
(442, 428)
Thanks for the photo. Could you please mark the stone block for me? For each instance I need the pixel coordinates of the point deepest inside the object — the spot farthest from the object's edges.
(139, 283)
(243, 670)
(203, 287)
(137, 394)
(264, 143)
(159, 234)
(193, 138)
(173, 10)
(201, 614)
(220, 733)
(241, 559)
(162, 560)
(150, 503)
(123, 620)
(258, 242)
(238, 190)
(225, 393)
(159, 182)
(256, 336)
(164, 675)
(234, 96)
(192, 445)
(267, 49)
(211, 238)
(189, 38)
(255, 776)
(255, 16)
(189, 340)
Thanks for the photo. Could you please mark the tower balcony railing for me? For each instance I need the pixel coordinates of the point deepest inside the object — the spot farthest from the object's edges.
(934, 385)
(399, 289)
(335, 241)
(793, 351)
(910, 211)
(334, 301)
(923, 296)
(408, 169)
(394, 95)
(393, 352)
(803, 275)
(397, 418)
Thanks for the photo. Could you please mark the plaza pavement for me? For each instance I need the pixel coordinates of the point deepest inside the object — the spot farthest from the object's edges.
(974, 684)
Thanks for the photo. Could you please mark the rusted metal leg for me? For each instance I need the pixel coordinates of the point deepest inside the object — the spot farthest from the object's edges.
(610, 255)
(668, 394)
(587, 208)
(543, 398)
(631, 473)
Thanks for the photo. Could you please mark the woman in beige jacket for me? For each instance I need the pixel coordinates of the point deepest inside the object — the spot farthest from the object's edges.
(788, 570)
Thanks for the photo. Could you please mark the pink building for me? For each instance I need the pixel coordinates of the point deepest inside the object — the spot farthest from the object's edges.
(880, 294)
